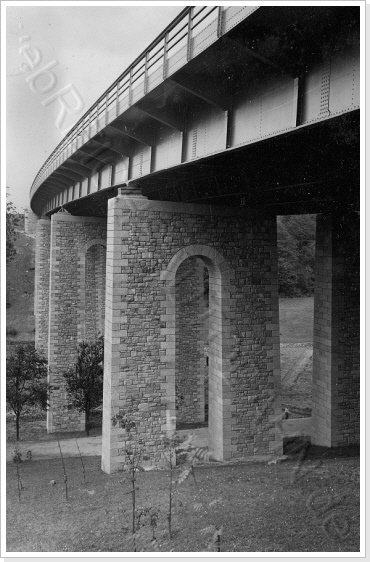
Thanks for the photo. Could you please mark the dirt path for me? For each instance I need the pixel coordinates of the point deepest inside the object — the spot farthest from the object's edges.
(87, 446)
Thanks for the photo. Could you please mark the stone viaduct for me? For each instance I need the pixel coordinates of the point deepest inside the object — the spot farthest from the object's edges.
(173, 181)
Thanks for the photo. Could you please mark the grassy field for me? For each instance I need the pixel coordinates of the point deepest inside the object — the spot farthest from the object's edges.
(296, 320)
(309, 505)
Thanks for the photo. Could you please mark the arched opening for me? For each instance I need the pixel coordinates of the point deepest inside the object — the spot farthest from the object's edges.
(92, 290)
(95, 291)
(190, 325)
(191, 336)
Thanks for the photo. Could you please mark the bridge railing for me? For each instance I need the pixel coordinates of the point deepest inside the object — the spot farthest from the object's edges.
(194, 29)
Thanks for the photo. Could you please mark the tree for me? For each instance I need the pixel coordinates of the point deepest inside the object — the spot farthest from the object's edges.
(84, 381)
(11, 233)
(296, 254)
(26, 380)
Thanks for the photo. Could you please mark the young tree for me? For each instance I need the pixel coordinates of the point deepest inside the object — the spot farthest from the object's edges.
(11, 234)
(26, 380)
(84, 381)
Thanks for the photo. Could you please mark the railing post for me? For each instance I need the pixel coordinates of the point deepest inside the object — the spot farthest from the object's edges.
(106, 109)
(117, 99)
(130, 89)
(219, 21)
(165, 56)
(189, 47)
(146, 74)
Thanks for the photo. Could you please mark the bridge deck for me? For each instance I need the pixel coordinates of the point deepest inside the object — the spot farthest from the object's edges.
(219, 94)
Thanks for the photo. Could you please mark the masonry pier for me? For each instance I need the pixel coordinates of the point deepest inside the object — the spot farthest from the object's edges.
(140, 277)
(336, 353)
(76, 309)
(148, 243)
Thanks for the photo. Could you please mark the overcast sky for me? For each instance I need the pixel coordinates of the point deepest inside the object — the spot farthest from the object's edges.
(86, 49)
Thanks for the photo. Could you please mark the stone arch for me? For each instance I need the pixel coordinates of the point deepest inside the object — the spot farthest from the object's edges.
(91, 301)
(220, 277)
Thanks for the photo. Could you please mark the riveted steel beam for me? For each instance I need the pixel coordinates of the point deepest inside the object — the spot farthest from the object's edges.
(74, 163)
(250, 53)
(165, 119)
(113, 144)
(61, 179)
(56, 183)
(96, 155)
(128, 131)
(68, 174)
(204, 95)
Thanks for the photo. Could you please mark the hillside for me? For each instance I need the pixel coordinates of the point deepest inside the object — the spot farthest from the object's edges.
(20, 285)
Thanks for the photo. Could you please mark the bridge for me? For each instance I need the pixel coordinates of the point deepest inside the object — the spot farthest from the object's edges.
(172, 181)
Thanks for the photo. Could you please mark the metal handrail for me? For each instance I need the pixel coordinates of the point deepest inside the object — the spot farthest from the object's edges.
(139, 68)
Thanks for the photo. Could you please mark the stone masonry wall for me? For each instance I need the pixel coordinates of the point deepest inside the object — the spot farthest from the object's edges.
(190, 341)
(95, 291)
(71, 238)
(336, 356)
(147, 241)
(42, 282)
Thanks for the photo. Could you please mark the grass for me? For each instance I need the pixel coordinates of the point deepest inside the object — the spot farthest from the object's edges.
(33, 428)
(262, 508)
(296, 320)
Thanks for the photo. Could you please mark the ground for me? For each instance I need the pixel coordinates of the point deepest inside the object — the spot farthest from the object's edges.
(309, 505)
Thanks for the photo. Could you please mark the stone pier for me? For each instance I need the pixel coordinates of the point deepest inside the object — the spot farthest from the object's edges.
(42, 283)
(77, 260)
(336, 356)
(147, 243)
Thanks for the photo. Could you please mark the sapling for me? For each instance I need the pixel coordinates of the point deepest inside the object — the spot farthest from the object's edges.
(82, 462)
(134, 455)
(181, 459)
(17, 459)
(64, 469)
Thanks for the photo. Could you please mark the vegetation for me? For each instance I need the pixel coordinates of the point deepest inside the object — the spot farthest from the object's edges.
(12, 221)
(20, 283)
(26, 380)
(296, 254)
(84, 381)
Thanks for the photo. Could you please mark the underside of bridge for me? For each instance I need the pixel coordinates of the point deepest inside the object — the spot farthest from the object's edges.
(183, 182)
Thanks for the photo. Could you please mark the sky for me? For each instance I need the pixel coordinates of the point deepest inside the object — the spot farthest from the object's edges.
(83, 49)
